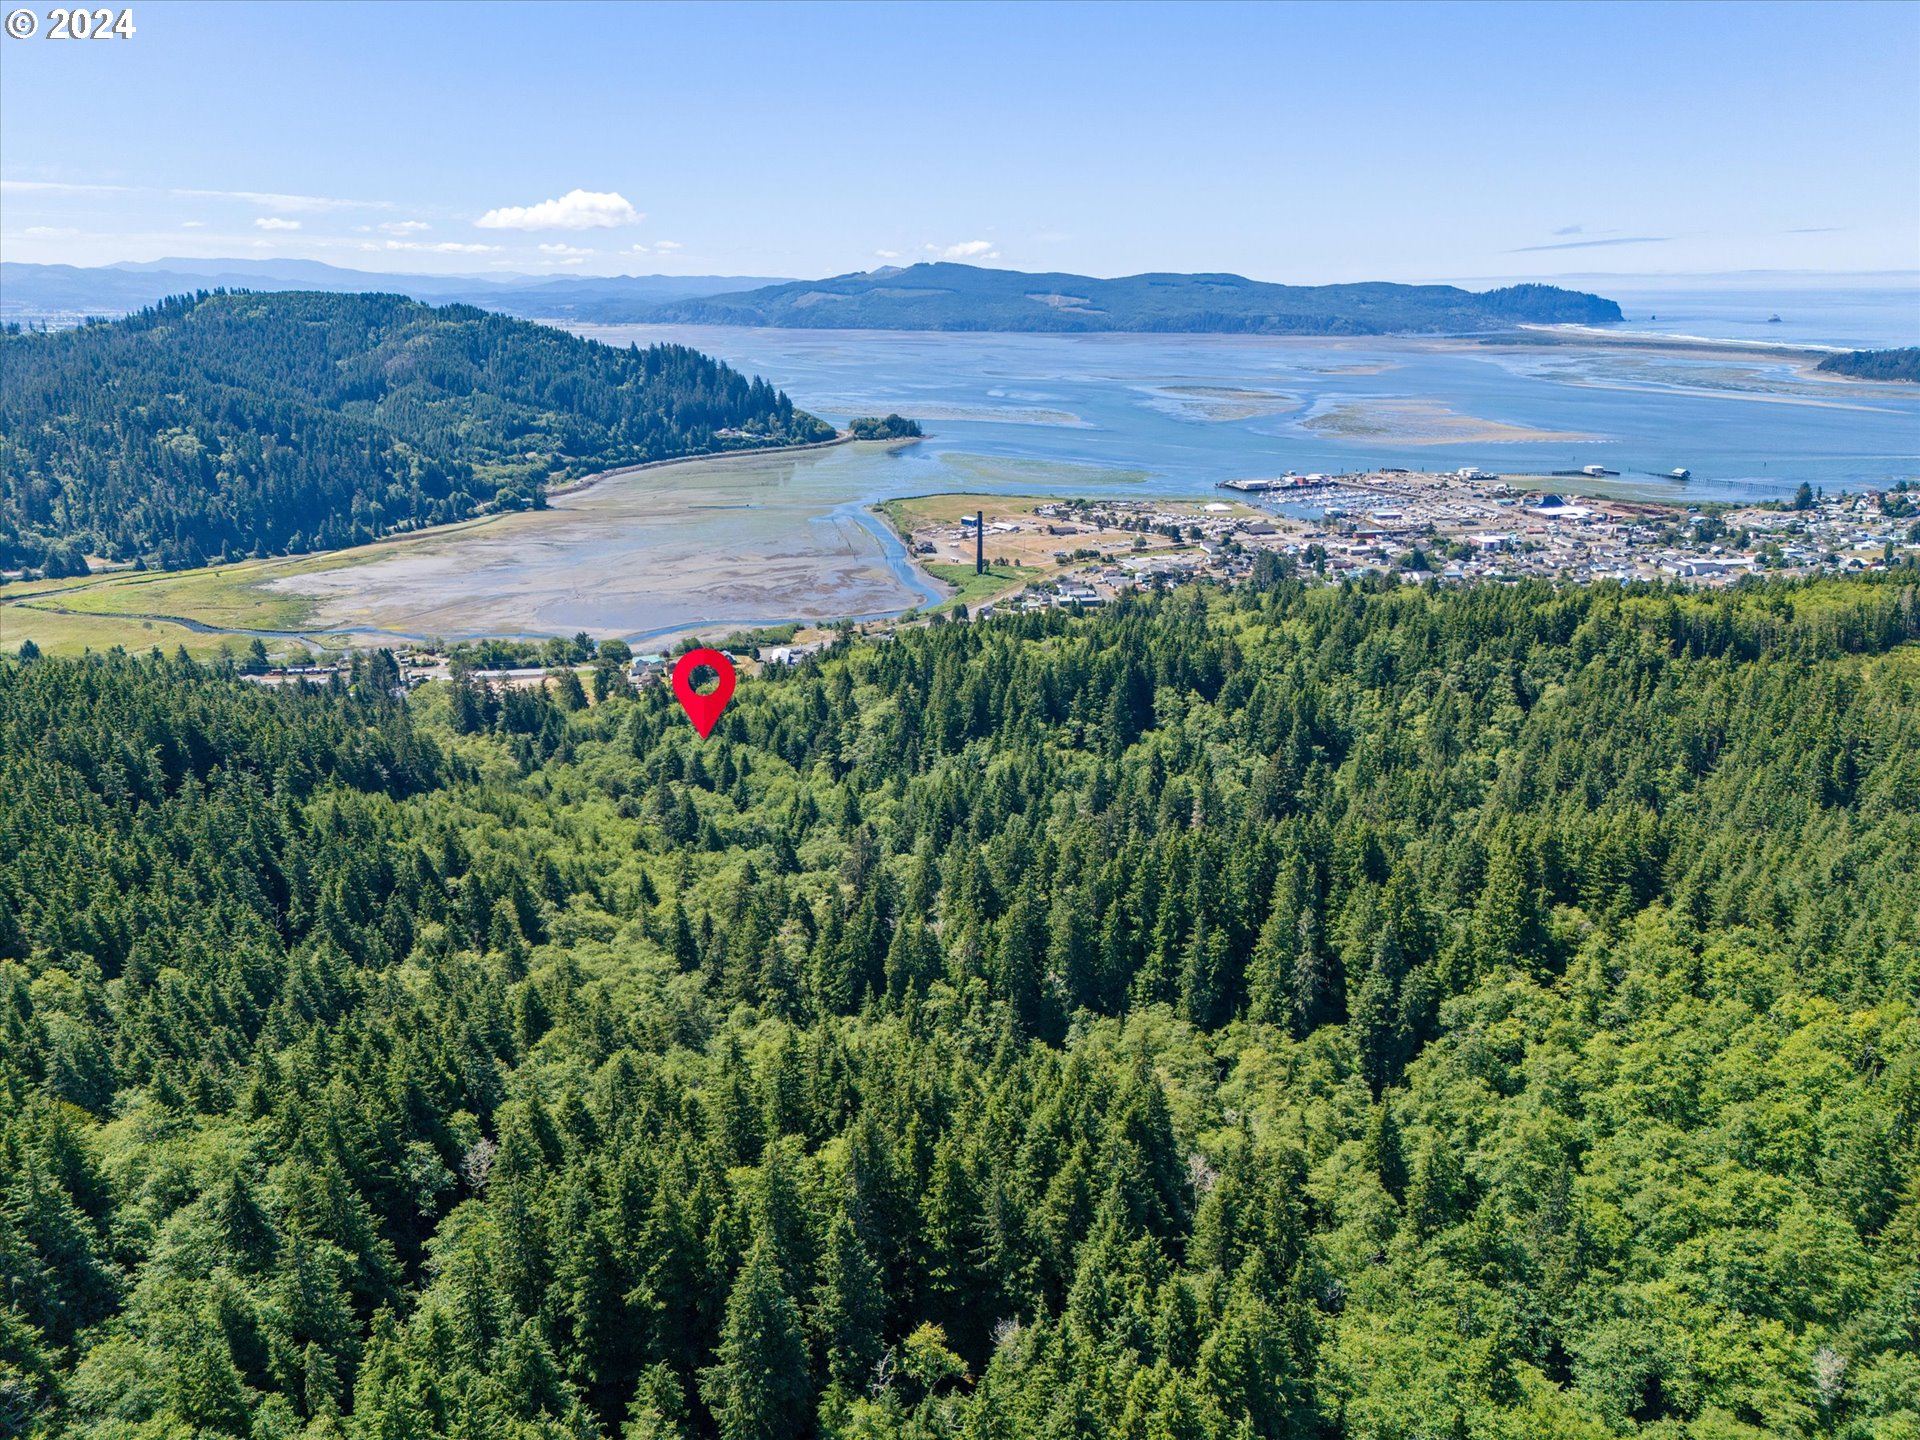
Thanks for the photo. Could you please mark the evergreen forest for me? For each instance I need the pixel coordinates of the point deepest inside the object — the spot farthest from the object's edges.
(1372, 1011)
(1875, 364)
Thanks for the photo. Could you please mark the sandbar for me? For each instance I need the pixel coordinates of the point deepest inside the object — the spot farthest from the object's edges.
(1421, 422)
(1223, 402)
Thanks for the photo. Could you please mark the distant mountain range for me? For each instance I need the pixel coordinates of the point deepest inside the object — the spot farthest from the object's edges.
(61, 294)
(917, 297)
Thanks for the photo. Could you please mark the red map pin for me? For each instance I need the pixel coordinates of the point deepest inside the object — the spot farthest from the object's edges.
(703, 710)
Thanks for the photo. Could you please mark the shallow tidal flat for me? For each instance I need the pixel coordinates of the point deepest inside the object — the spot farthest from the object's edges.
(1223, 402)
(1422, 422)
(744, 539)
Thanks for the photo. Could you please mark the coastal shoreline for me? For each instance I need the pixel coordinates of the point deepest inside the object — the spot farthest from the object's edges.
(643, 555)
(276, 578)
(737, 540)
(14, 591)
(1804, 356)
(587, 482)
(1658, 340)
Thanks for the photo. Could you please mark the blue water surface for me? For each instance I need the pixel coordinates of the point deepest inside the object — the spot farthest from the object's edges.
(1175, 414)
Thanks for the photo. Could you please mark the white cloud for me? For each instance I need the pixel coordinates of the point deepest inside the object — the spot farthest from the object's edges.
(49, 232)
(970, 250)
(442, 247)
(888, 254)
(274, 222)
(36, 187)
(265, 199)
(272, 200)
(574, 250)
(575, 210)
(193, 224)
(405, 227)
(666, 246)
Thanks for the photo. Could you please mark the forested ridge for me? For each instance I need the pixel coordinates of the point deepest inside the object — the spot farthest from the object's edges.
(1338, 1012)
(946, 296)
(233, 424)
(1876, 364)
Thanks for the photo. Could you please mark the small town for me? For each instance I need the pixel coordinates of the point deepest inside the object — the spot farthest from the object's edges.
(1454, 527)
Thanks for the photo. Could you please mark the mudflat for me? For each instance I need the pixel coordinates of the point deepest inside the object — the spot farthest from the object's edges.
(734, 540)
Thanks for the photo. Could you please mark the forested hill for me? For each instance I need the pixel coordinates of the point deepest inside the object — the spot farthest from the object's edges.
(1876, 364)
(1358, 1012)
(237, 424)
(966, 297)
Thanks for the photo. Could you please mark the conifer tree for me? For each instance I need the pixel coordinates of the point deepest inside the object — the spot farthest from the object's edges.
(206, 1390)
(758, 1388)
(849, 1306)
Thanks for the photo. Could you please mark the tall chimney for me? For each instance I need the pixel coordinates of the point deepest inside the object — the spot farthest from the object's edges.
(980, 542)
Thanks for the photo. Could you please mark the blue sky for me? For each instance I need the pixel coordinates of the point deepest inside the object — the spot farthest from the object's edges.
(1298, 143)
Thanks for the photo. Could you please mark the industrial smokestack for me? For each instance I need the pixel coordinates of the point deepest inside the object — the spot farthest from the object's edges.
(980, 542)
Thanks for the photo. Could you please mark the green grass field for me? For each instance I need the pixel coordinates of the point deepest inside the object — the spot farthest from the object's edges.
(229, 597)
(973, 588)
(129, 608)
(58, 634)
(136, 609)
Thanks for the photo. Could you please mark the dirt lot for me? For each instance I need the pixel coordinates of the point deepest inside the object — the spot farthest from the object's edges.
(1020, 537)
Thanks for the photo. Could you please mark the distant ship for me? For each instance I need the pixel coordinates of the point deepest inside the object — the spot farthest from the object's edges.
(1773, 319)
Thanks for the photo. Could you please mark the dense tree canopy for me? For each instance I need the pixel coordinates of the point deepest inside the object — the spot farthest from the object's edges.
(1876, 364)
(1365, 1012)
(236, 424)
(884, 427)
